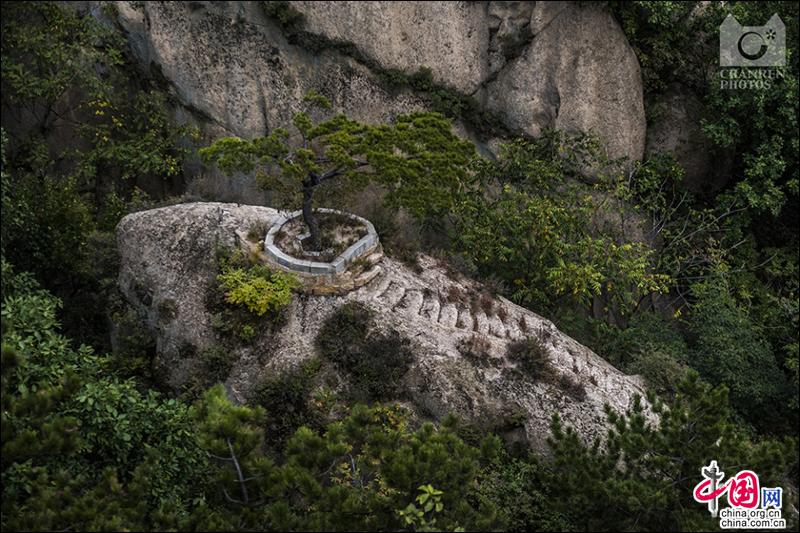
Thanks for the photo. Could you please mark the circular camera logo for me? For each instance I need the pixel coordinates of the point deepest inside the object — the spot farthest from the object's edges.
(747, 40)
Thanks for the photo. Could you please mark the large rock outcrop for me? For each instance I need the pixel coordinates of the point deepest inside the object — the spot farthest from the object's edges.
(233, 66)
(578, 74)
(536, 65)
(168, 264)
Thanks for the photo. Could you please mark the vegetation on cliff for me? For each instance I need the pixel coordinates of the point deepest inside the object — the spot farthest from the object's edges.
(702, 301)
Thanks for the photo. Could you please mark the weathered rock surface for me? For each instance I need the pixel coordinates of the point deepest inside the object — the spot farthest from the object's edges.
(448, 37)
(168, 264)
(235, 70)
(578, 74)
(510, 29)
(233, 65)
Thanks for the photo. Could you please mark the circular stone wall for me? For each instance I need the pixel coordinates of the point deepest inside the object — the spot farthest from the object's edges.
(361, 248)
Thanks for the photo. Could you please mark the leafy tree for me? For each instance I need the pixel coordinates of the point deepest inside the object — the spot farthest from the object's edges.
(80, 448)
(676, 42)
(767, 173)
(662, 32)
(46, 51)
(82, 128)
(759, 202)
(734, 280)
(418, 158)
(84, 449)
(726, 348)
(533, 229)
(63, 71)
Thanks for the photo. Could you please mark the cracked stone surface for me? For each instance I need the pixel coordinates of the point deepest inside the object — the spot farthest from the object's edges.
(448, 37)
(537, 64)
(168, 257)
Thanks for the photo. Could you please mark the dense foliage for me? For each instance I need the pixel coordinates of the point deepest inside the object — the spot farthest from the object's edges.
(701, 299)
(83, 132)
(640, 476)
(535, 232)
(81, 447)
(248, 297)
(258, 289)
(85, 450)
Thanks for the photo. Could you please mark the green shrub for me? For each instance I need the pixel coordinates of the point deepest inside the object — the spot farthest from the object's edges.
(375, 361)
(520, 221)
(533, 359)
(248, 298)
(381, 364)
(285, 399)
(661, 33)
(528, 485)
(68, 421)
(287, 17)
(650, 346)
(476, 348)
(134, 346)
(572, 386)
(727, 348)
(344, 331)
(257, 231)
(659, 368)
(258, 288)
(217, 364)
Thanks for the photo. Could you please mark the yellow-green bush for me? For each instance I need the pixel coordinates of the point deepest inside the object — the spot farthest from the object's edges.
(258, 289)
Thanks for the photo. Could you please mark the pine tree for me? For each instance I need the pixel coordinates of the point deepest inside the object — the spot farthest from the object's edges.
(641, 477)
(418, 158)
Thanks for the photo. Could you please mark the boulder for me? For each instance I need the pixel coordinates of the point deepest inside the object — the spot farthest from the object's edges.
(578, 74)
(167, 258)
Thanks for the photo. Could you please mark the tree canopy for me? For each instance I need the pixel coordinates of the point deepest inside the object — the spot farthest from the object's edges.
(417, 158)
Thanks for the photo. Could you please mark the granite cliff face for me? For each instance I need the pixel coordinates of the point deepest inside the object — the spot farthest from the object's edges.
(237, 71)
(168, 265)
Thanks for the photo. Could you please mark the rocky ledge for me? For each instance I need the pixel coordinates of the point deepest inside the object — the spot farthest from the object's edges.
(168, 264)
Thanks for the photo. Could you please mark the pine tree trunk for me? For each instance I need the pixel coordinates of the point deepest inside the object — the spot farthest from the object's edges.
(314, 241)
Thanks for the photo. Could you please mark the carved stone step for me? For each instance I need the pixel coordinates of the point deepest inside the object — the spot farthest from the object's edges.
(374, 258)
(365, 277)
